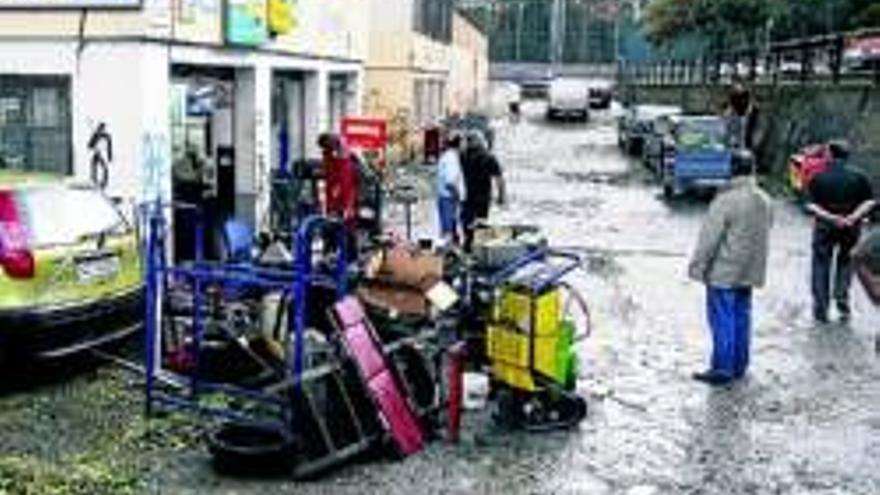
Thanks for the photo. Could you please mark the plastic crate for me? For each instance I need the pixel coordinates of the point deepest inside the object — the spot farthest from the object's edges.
(538, 314)
(510, 352)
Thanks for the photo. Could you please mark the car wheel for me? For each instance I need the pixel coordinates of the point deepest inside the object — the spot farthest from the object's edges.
(668, 191)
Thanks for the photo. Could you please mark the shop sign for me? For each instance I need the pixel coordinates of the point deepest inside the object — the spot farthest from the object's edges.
(246, 22)
(70, 4)
(281, 16)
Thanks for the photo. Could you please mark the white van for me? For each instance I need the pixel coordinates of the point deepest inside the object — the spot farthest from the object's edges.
(568, 98)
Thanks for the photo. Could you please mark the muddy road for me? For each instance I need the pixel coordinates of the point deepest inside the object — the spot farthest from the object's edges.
(806, 420)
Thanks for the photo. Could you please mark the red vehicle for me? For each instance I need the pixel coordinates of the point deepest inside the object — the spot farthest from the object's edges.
(862, 54)
(806, 164)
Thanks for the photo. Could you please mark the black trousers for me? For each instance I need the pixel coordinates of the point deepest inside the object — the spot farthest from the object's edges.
(471, 212)
(832, 246)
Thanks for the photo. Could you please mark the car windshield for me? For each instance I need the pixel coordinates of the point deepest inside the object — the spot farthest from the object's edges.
(60, 215)
(702, 134)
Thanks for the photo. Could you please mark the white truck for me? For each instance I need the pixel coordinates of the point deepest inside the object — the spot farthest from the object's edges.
(568, 98)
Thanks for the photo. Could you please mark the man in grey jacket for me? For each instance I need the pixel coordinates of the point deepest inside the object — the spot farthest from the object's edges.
(731, 259)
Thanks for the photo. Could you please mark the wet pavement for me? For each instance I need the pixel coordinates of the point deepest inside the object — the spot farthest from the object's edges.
(806, 420)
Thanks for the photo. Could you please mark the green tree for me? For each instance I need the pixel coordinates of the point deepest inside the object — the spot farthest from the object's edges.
(744, 22)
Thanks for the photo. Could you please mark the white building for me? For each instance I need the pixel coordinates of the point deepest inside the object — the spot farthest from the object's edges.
(177, 83)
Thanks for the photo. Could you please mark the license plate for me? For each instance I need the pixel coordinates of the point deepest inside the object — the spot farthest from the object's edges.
(94, 269)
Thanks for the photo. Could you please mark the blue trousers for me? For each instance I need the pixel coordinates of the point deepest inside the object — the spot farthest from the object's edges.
(447, 213)
(730, 318)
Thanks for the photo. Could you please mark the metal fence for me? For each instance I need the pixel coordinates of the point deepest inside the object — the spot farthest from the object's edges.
(823, 59)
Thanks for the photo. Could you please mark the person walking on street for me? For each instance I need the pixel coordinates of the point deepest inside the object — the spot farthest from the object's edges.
(450, 189)
(839, 200)
(731, 259)
(480, 169)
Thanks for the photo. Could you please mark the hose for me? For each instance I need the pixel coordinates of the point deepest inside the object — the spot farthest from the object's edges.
(577, 298)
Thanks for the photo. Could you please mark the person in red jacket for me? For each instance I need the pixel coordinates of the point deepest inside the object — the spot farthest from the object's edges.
(340, 184)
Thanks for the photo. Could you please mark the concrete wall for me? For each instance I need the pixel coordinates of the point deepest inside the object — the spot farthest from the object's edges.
(791, 116)
(125, 86)
(469, 66)
(398, 57)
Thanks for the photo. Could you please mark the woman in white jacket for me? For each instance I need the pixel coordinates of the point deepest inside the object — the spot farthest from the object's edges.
(450, 189)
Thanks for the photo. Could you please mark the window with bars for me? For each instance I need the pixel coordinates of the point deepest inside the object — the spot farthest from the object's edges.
(35, 123)
(433, 18)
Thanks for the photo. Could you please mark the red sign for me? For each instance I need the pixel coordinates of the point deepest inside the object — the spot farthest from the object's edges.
(365, 135)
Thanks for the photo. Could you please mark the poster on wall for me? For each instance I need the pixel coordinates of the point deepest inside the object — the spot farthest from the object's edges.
(70, 4)
(282, 16)
(246, 22)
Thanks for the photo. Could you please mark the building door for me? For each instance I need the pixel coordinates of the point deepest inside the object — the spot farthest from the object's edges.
(203, 154)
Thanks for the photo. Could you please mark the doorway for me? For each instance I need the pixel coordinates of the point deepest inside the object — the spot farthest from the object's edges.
(203, 154)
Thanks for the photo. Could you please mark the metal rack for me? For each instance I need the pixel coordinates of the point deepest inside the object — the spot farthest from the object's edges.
(208, 282)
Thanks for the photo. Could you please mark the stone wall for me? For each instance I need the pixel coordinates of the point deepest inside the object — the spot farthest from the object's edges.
(791, 116)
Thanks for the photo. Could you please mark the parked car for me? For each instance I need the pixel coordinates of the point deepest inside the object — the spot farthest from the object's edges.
(653, 141)
(808, 162)
(790, 67)
(862, 54)
(694, 153)
(637, 124)
(70, 269)
(568, 97)
(600, 92)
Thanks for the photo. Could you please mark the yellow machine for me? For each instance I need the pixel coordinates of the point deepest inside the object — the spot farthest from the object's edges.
(531, 346)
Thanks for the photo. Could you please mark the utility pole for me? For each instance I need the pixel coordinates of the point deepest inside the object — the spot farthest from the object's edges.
(519, 24)
(557, 31)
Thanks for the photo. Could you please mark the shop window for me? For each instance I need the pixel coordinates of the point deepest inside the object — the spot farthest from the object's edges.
(35, 124)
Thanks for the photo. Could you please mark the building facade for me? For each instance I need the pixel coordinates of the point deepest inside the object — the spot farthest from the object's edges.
(173, 92)
(469, 67)
(425, 61)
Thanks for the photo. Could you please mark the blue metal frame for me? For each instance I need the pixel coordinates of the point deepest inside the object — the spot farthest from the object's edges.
(538, 255)
(202, 274)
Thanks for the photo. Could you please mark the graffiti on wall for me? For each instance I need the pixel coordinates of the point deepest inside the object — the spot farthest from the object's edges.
(155, 167)
(101, 149)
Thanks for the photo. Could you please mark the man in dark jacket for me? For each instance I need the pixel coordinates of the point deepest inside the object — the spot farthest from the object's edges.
(480, 169)
(839, 200)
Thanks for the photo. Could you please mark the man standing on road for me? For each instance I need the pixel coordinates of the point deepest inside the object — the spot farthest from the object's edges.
(480, 169)
(731, 259)
(839, 200)
(450, 189)
(340, 186)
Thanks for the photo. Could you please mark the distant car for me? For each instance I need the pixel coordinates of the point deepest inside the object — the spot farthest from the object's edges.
(790, 67)
(70, 269)
(694, 153)
(637, 123)
(568, 98)
(600, 94)
(862, 54)
(808, 162)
